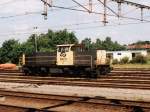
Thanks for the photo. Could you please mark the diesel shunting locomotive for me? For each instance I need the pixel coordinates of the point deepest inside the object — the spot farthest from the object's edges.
(68, 59)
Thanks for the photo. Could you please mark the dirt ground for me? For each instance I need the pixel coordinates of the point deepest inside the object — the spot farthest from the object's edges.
(112, 93)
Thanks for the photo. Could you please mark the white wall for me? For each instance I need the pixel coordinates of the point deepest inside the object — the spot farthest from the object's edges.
(144, 53)
(121, 54)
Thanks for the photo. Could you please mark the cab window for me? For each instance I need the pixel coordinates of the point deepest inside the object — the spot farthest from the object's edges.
(76, 49)
(63, 49)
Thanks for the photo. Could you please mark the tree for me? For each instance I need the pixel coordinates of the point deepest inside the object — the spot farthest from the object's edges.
(98, 44)
(117, 46)
(107, 44)
(28, 47)
(47, 42)
(64, 37)
(10, 51)
(88, 43)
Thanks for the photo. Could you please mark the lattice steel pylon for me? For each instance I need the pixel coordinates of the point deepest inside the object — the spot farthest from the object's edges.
(105, 11)
(46, 4)
(89, 9)
(90, 5)
(140, 6)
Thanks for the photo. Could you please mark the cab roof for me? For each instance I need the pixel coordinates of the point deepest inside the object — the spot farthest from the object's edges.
(65, 45)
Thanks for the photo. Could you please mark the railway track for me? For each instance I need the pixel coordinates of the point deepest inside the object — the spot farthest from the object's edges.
(131, 69)
(128, 80)
(102, 82)
(33, 102)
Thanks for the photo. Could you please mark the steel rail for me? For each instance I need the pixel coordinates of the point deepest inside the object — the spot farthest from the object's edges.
(68, 100)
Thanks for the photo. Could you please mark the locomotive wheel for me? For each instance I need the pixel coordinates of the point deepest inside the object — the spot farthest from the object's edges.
(101, 71)
(105, 71)
(29, 71)
(94, 75)
(44, 71)
(33, 71)
(98, 72)
(26, 71)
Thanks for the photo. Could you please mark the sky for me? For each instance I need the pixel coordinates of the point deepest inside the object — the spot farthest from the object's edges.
(19, 17)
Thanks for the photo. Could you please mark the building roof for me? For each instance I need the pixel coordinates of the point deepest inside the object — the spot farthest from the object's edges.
(145, 46)
(134, 51)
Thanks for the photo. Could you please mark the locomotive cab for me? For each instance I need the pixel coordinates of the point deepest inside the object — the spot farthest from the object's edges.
(64, 55)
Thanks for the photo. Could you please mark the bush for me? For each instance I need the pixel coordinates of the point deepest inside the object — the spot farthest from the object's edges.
(108, 61)
(139, 59)
(124, 60)
(115, 61)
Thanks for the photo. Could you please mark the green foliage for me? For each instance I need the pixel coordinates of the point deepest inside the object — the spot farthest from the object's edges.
(107, 44)
(108, 61)
(124, 60)
(98, 44)
(51, 39)
(10, 51)
(148, 50)
(139, 59)
(115, 61)
(141, 42)
(48, 41)
(87, 43)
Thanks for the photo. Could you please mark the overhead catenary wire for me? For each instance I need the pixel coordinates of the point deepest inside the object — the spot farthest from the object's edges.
(37, 12)
(113, 25)
(94, 12)
(109, 8)
(44, 30)
(68, 8)
(72, 9)
(22, 14)
(132, 4)
(8, 2)
(74, 26)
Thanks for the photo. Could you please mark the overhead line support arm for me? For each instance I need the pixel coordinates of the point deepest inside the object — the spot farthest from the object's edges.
(82, 6)
(132, 3)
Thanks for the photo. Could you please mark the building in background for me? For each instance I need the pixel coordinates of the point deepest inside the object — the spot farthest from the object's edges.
(129, 53)
(138, 46)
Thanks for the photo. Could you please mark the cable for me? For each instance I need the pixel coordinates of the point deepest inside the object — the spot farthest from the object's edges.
(69, 8)
(108, 8)
(72, 9)
(79, 28)
(94, 12)
(98, 26)
(38, 12)
(132, 4)
(9, 2)
(129, 11)
(23, 14)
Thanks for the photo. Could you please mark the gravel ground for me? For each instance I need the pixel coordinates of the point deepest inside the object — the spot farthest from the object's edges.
(112, 93)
